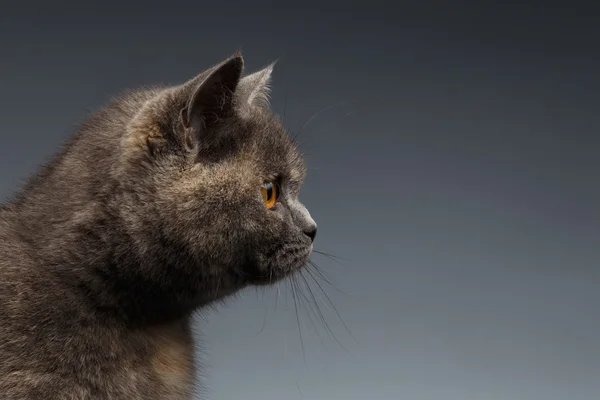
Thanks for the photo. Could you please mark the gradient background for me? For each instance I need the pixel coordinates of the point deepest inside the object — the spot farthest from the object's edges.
(459, 181)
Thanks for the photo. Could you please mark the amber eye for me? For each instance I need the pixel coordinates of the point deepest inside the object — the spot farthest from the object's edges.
(270, 193)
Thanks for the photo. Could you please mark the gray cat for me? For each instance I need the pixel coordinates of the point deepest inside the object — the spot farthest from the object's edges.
(165, 201)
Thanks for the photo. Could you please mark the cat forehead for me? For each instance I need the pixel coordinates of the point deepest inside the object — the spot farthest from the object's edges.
(272, 143)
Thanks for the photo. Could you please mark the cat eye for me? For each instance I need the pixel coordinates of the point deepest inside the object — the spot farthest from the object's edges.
(270, 193)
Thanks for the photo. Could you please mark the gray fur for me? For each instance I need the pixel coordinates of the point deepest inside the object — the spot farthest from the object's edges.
(151, 211)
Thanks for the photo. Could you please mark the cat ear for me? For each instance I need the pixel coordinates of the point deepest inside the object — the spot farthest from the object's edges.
(254, 89)
(211, 98)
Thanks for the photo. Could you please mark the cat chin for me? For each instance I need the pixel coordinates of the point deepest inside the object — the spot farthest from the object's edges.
(278, 273)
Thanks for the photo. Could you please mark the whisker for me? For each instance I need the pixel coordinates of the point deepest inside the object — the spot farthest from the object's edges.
(277, 296)
(263, 324)
(330, 256)
(299, 391)
(298, 321)
(315, 115)
(296, 135)
(320, 314)
(323, 275)
(286, 289)
(309, 309)
(332, 305)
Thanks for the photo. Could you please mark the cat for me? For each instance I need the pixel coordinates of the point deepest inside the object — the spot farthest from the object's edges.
(163, 202)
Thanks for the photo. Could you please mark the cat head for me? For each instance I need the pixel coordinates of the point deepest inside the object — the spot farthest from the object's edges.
(211, 182)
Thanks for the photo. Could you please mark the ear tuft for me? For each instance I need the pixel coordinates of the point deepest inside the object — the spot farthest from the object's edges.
(255, 89)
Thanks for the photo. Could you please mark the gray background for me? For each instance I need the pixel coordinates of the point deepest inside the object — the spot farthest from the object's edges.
(457, 175)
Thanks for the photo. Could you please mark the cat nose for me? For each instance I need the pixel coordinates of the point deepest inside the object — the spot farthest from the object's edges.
(311, 232)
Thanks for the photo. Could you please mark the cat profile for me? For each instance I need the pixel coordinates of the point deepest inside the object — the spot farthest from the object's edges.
(164, 201)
